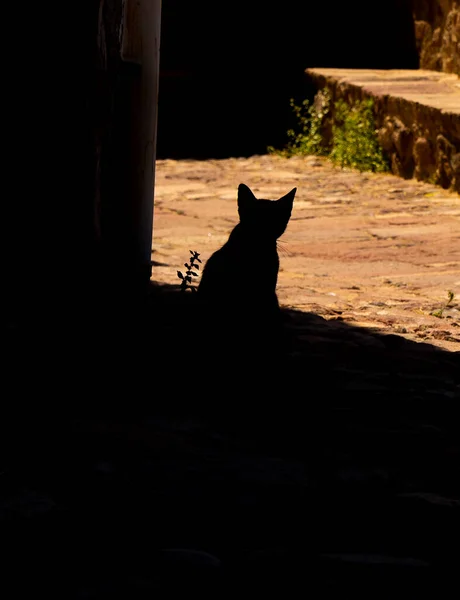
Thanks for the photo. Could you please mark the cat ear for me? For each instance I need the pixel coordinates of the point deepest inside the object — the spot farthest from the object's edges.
(285, 203)
(284, 212)
(245, 198)
(289, 197)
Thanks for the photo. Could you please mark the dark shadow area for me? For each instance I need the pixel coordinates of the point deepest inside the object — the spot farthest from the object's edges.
(227, 73)
(330, 460)
(330, 464)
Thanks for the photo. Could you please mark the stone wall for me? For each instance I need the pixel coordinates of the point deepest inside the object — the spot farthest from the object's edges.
(437, 33)
(420, 141)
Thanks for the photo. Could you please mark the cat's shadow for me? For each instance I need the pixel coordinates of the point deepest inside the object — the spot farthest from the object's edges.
(305, 360)
(153, 351)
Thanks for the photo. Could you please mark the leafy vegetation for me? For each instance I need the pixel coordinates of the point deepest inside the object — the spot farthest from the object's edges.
(352, 140)
(308, 138)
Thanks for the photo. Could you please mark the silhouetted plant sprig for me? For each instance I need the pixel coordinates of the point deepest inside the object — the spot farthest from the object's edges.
(186, 280)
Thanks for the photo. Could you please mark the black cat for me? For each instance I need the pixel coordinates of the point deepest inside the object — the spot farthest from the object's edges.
(238, 283)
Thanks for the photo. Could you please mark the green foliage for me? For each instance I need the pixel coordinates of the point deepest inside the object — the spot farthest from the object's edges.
(308, 139)
(354, 139)
(450, 298)
(186, 280)
(353, 142)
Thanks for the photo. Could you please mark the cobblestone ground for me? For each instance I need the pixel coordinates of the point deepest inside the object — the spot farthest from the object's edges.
(373, 250)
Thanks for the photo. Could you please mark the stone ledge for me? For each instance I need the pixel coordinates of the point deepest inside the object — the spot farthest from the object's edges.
(417, 115)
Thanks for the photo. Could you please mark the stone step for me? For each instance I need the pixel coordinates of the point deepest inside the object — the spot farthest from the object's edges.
(417, 114)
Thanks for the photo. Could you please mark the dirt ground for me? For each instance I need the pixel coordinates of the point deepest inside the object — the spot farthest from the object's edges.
(372, 250)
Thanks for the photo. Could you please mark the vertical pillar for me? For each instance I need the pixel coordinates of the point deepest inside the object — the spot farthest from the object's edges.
(141, 46)
(129, 167)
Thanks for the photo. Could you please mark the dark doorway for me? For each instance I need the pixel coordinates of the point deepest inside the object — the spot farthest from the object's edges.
(228, 71)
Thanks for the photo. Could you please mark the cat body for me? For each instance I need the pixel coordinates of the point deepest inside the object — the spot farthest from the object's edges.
(239, 280)
(242, 338)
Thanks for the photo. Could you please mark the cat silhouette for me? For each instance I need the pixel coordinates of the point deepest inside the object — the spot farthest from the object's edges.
(238, 283)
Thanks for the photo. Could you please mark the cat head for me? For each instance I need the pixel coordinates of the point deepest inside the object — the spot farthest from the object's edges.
(265, 218)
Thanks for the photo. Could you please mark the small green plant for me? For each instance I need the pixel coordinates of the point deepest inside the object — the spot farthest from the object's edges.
(450, 298)
(186, 280)
(308, 138)
(354, 137)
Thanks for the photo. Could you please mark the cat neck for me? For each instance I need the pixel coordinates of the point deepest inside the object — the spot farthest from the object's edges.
(244, 235)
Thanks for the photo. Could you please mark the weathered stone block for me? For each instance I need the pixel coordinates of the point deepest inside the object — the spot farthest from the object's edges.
(437, 34)
(417, 115)
(423, 157)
